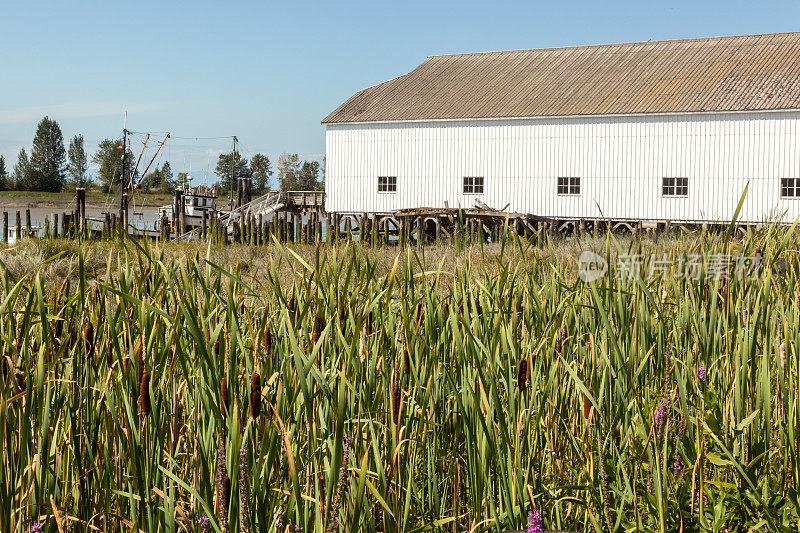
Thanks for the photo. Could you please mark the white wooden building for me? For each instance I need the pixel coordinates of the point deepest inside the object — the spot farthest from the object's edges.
(655, 131)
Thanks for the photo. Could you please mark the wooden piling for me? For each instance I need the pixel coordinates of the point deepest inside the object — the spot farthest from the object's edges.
(5, 227)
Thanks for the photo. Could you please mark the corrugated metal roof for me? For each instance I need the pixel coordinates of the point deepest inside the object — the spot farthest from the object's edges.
(740, 73)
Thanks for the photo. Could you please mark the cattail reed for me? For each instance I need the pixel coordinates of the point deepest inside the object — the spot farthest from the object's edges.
(406, 362)
(522, 375)
(292, 305)
(144, 395)
(267, 341)
(88, 340)
(319, 325)
(396, 399)
(109, 352)
(223, 397)
(369, 323)
(587, 405)
(255, 396)
(139, 360)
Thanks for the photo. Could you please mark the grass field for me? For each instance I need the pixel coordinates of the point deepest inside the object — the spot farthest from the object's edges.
(186, 388)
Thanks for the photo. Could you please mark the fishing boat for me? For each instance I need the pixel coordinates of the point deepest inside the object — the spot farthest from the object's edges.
(23, 231)
(195, 204)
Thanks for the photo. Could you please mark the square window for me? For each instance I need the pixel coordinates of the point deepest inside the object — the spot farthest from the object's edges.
(675, 186)
(473, 185)
(387, 183)
(568, 186)
(790, 187)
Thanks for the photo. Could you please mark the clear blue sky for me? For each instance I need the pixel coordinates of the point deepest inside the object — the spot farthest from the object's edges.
(269, 72)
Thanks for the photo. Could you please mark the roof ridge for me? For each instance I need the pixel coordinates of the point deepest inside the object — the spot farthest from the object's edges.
(659, 41)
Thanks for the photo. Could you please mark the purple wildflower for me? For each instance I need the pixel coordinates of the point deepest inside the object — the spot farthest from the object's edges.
(298, 527)
(697, 497)
(204, 523)
(535, 522)
(668, 352)
(37, 527)
(701, 373)
(677, 465)
(661, 416)
(244, 492)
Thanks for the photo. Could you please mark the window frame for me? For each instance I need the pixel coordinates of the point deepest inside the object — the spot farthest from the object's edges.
(389, 186)
(679, 185)
(570, 187)
(794, 187)
(473, 185)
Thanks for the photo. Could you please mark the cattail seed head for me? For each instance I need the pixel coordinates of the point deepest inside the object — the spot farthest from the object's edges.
(342, 311)
(139, 360)
(396, 398)
(216, 350)
(292, 305)
(319, 325)
(369, 323)
(522, 375)
(88, 340)
(406, 362)
(223, 397)
(782, 355)
(255, 395)
(267, 341)
(144, 395)
(109, 352)
(587, 405)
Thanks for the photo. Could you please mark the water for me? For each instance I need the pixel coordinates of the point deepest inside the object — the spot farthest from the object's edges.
(144, 218)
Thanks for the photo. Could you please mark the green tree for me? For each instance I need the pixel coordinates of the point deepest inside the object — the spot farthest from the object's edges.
(160, 179)
(22, 171)
(48, 158)
(230, 167)
(78, 162)
(262, 172)
(109, 160)
(288, 170)
(4, 184)
(308, 176)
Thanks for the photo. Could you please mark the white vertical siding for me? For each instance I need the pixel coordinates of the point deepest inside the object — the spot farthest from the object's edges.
(620, 160)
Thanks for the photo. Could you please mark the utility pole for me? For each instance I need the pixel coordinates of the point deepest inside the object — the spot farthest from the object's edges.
(122, 206)
(234, 180)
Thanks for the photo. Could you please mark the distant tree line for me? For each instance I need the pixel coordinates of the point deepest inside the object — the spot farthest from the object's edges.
(292, 174)
(52, 168)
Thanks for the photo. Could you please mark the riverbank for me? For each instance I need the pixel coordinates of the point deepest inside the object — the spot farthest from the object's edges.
(11, 200)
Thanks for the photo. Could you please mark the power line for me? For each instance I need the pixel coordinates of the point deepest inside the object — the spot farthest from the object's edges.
(184, 138)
